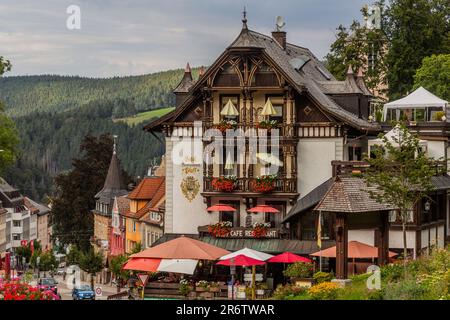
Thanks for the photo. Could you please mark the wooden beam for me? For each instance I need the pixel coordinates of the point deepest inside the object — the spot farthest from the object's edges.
(383, 239)
(341, 246)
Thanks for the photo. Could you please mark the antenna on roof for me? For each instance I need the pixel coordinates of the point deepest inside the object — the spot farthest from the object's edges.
(280, 23)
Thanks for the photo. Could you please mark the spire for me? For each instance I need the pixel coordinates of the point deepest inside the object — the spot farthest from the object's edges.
(113, 186)
(188, 68)
(244, 18)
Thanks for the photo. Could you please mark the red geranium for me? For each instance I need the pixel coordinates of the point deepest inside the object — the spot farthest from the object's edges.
(16, 290)
(224, 184)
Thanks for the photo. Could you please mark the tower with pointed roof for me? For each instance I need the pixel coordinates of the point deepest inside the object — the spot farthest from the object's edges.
(113, 188)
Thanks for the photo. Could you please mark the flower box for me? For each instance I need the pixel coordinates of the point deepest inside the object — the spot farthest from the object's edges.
(264, 184)
(220, 229)
(225, 125)
(224, 184)
(214, 289)
(201, 289)
(207, 295)
(303, 282)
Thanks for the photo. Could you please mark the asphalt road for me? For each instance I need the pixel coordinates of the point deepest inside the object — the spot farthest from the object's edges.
(66, 292)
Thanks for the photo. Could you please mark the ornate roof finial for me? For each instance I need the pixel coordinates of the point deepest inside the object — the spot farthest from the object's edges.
(244, 18)
(114, 146)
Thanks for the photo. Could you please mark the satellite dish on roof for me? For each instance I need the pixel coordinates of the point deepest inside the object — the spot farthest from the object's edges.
(280, 23)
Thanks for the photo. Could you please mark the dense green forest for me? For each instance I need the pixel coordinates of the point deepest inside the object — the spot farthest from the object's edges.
(54, 113)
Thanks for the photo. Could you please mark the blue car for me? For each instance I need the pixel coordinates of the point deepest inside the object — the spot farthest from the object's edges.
(83, 292)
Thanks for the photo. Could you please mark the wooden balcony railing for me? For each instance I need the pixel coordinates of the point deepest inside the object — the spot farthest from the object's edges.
(282, 185)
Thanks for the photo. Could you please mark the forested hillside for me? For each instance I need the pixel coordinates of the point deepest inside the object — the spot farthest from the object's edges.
(26, 94)
(54, 113)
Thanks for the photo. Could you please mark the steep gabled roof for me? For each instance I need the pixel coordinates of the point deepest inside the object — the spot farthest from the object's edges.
(147, 188)
(304, 80)
(114, 186)
(186, 82)
(36, 207)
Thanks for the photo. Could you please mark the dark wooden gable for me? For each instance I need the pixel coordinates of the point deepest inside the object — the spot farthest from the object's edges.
(308, 111)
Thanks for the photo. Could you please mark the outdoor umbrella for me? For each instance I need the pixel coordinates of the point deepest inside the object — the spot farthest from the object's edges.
(183, 248)
(184, 266)
(241, 261)
(268, 109)
(221, 207)
(356, 250)
(248, 253)
(229, 109)
(244, 261)
(142, 264)
(288, 257)
(264, 208)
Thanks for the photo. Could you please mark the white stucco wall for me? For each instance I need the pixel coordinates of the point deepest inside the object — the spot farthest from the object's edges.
(396, 239)
(314, 161)
(441, 237)
(364, 236)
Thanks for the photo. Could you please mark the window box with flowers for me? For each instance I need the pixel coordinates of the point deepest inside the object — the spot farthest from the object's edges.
(264, 184)
(220, 229)
(224, 183)
(267, 125)
(186, 287)
(260, 229)
(202, 286)
(214, 287)
(225, 125)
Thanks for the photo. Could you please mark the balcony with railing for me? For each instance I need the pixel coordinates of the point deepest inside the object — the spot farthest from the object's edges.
(279, 187)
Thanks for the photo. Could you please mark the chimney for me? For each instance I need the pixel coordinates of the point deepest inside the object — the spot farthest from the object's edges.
(280, 37)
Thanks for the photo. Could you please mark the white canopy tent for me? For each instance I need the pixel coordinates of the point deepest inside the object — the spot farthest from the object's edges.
(419, 99)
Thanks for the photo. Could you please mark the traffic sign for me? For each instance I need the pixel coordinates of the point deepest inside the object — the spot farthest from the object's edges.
(143, 278)
(98, 292)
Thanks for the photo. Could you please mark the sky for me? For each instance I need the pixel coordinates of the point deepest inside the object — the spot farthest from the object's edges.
(131, 37)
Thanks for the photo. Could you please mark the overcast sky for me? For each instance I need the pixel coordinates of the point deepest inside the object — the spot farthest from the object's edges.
(128, 37)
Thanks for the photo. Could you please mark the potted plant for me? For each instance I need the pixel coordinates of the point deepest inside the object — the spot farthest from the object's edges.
(225, 125)
(224, 183)
(214, 287)
(202, 286)
(260, 229)
(220, 229)
(264, 183)
(185, 287)
(300, 273)
(267, 124)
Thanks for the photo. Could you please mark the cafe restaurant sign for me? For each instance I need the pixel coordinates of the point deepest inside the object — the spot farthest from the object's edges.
(248, 233)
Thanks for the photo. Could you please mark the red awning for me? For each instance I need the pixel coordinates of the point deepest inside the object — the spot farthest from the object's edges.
(356, 250)
(264, 208)
(242, 261)
(142, 264)
(288, 257)
(221, 207)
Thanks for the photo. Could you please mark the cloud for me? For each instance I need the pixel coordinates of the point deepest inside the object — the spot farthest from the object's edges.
(121, 37)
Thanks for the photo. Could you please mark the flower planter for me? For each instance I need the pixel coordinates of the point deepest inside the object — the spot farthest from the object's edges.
(224, 184)
(201, 289)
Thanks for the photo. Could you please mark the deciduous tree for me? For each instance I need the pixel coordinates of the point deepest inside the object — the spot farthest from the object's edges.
(434, 75)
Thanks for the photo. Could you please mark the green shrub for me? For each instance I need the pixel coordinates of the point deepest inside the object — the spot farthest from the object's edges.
(289, 292)
(320, 277)
(405, 290)
(299, 270)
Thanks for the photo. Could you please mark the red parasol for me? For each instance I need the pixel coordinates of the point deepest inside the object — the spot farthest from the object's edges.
(264, 208)
(242, 261)
(142, 264)
(221, 207)
(288, 257)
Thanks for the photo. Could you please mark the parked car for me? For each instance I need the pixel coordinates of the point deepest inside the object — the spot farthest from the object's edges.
(48, 284)
(83, 292)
